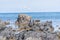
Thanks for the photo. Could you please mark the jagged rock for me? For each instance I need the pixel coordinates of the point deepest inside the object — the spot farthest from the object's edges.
(41, 26)
(23, 20)
(39, 30)
(35, 28)
(28, 29)
(48, 26)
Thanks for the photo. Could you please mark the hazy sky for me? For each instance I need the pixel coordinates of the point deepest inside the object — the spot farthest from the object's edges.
(29, 6)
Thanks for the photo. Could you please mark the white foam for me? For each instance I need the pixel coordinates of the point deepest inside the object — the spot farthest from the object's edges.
(12, 24)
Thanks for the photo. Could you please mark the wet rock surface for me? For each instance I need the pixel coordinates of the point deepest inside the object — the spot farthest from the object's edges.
(28, 29)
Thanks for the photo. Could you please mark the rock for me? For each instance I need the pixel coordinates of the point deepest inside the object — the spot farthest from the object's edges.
(41, 27)
(58, 34)
(23, 20)
(28, 29)
(51, 36)
(34, 34)
(2, 25)
(32, 38)
(2, 38)
(35, 28)
(36, 22)
(48, 26)
(7, 22)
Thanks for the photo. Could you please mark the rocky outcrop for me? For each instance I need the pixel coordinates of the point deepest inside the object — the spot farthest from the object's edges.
(2, 29)
(29, 29)
(3, 24)
(35, 29)
(23, 21)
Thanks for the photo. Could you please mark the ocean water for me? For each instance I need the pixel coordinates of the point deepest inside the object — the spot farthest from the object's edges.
(43, 16)
(36, 15)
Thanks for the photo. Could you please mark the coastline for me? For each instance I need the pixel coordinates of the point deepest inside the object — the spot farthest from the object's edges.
(29, 28)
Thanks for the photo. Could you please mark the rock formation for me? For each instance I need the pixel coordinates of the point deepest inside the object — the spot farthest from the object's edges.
(28, 29)
(23, 21)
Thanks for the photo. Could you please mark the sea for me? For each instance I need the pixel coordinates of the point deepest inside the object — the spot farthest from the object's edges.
(43, 16)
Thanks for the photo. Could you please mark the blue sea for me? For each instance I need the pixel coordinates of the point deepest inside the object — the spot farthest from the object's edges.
(54, 16)
(35, 15)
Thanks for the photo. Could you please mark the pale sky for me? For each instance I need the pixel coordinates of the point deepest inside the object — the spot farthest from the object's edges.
(7, 6)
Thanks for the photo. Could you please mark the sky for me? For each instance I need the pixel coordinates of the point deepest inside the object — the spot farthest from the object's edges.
(13, 6)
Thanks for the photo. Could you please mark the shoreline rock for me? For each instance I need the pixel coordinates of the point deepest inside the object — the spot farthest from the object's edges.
(28, 29)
